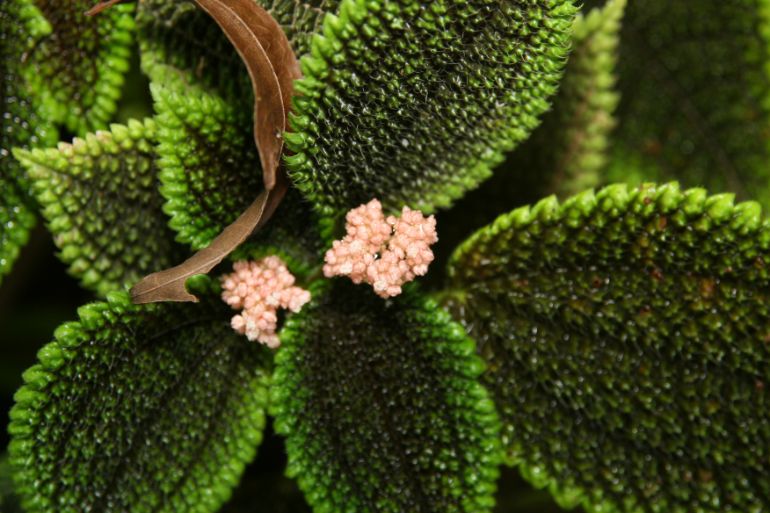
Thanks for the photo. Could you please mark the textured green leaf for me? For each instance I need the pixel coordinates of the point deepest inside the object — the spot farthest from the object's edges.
(137, 409)
(9, 502)
(570, 147)
(21, 125)
(626, 340)
(210, 172)
(382, 406)
(695, 95)
(16, 220)
(78, 68)
(176, 36)
(413, 102)
(100, 198)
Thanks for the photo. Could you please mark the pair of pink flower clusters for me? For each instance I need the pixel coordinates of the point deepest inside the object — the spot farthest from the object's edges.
(383, 252)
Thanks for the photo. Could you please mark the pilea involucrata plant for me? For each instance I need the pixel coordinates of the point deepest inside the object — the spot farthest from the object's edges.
(311, 221)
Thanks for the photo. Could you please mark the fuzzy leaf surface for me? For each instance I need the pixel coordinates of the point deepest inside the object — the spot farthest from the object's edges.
(382, 407)
(78, 68)
(412, 103)
(210, 171)
(695, 95)
(626, 340)
(177, 38)
(21, 125)
(100, 198)
(570, 147)
(139, 408)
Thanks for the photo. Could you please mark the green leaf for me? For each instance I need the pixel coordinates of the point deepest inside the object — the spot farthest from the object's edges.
(413, 103)
(21, 125)
(178, 40)
(570, 147)
(100, 198)
(695, 95)
(16, 221)
(78, 69)
(382, 407)
(138, 408)
(626, 340)
(210, 173)
(9, 502)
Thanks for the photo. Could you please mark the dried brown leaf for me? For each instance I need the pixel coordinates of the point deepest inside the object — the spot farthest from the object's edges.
(277, 46)
(169, 285)
(272, 67)
(93, 11)
(252, 31)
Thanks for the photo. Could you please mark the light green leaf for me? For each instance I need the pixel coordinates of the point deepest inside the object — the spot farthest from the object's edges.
(382, 407)
(21, 125)
(178, 40)
(695, 95)
(135, 409)
(78, 68)
(100, 198)
(626, 340)
(210, 173)
(412, 103)
(568, 151)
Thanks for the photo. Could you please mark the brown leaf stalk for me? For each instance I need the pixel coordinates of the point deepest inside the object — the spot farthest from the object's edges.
(169, 285)
(101, 6)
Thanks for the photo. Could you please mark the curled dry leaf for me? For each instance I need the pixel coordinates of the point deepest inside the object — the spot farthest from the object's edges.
(169, 285)
(272, 67)
(265, 50)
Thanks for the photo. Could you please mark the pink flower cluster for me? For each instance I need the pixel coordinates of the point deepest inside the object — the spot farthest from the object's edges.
(384, 252)
(259, 288)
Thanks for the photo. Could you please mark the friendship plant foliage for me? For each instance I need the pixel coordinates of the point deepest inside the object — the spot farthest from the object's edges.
(420, 241)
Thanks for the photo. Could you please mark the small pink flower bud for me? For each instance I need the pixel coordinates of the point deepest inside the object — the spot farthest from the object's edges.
(259, 288)
(384, 252)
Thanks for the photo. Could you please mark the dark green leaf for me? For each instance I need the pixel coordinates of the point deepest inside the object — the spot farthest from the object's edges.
(78, 68)
(626, 335)
(210, 172)
(413, 103)
(21, 125)
(382, 406)
(16, 220)
(100, 198)
(568, 151)
(695, 95)
(137, 409)
(9, 501)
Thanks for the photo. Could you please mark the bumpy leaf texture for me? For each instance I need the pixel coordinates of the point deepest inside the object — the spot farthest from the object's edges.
(139, 408)
(9, 501)
(568, 151)
(382, 406)
(100, 198)
(626, 340)
(78, 68)
(412, 102)
(21, 125)
(175, 35)
(695, 95)
(210, 172)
